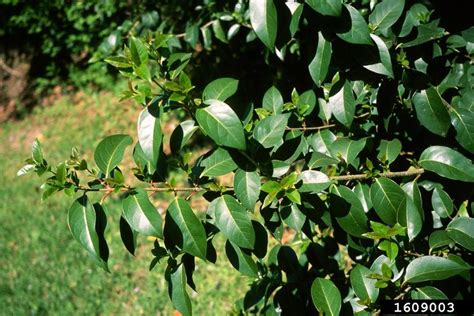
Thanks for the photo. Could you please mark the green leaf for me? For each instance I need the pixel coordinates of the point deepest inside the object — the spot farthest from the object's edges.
(269, 131)
(318, 160)
(220, 122)
(292, 216)
(385, 14)
(177, 291)
(326, 297)
(347, 149)
(359, 30)
(273, 101)
(447, 163)
(247, 187)
(426, 32)
(321, 141)
(218, 163)
(109, 152)
(138, 51)
(463, 121)
(149, 133)
(326, 7)
(388, 200)
(313, 181)
(25, 169)
(36, 152)
(439, 238)
(185, 229)
(364, 287)
(83, 224)
(439, 269)
(461, 230)
(431, 111)
(342, 103)
(181, 135)
(128, 236)
(412, 216)
(384, 55)
(141, 214)
(355, 221)
(363, 193)
(442, 203)
(389, 150)
(220, 89)
(263, 17)
(118, 62)
(233, 221)
(427, 293)
(319, 66)
(390, 248)
(241, 260)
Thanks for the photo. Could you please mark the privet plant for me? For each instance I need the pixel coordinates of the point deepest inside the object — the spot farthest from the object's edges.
(354, 191)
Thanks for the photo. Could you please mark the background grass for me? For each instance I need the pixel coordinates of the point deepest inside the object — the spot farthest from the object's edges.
(43, 270)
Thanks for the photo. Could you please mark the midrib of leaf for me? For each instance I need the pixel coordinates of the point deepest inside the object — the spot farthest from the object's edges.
(434, 272)
(386, 196)
(384, 16)
(219, 94)
(84, 216)
(327, 301)
(463, 123)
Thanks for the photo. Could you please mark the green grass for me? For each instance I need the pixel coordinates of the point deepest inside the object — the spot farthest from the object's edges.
(43, 270)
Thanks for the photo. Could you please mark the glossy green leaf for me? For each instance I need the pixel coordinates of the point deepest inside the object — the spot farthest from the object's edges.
(390, 248)
(233, 221)
(273, 101)
(186, 230)
(412, 216)
(384, 56)
(25, 169)
(439, 238)
(359, 30)
(269, 131)
(364, 287)
(463, 121)
(263, 17)
(326, 296)
(220, 122)
(318, 160)
(109, 152)
(342, 104)
(431, 111)
(82, 221)
(177, 291)
(388, 200)
(319, 66)
(389, 150)
(313, 181)
(355, 221)
(296, 10)
(442, 203)
(218, 163)
(426, 32)
(363, 193)
(447, 163)
(326, 7)
(321, 141)
(427, 293)
(141, 214)
(347, 149)
(220, 89)
(439, 269)
(247, 187)
(149, 133)
(241, 260)
(461, 230)
(385, 14)
(181, 135)
(118, 62)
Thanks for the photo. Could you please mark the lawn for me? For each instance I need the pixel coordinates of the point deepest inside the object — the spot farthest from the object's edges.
(43, 270)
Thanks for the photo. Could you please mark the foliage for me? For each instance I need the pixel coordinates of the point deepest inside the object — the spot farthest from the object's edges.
(361, 170)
